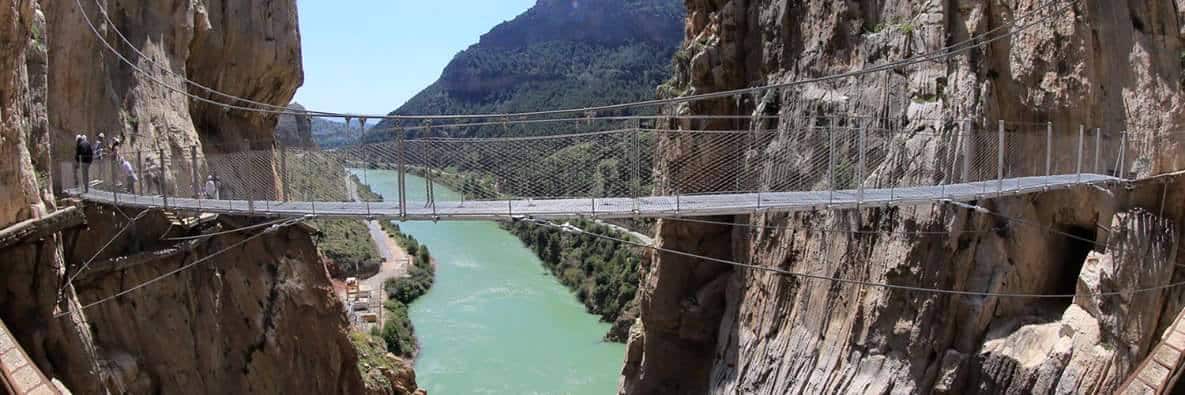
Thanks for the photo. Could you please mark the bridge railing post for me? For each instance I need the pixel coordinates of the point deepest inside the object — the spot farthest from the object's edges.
(831, 164)
(193, 172)
(1000, 145)
(248, 189)
(1081, 142)
(402, 157)
(164, 179)
(1098, 143)
(967, 149)
(860, 168)
(365, 162)
(286, 188)
(1119, 173)
(636, 154)
(140, 171)
(1049, 148)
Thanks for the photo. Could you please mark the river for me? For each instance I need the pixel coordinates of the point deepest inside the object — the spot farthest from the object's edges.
(495, 321)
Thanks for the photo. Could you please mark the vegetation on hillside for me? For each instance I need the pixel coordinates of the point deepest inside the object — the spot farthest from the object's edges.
(557, 55)
(398, 332)
(603, 273)
(372, 359)
(346, 242)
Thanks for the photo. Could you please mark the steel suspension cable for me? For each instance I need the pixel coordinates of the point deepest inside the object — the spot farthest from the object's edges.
(870, 284)
(974, 42)
(204, 259)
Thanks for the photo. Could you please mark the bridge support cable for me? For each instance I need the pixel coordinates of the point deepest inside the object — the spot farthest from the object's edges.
(861, 283)
(70, 279)
(827, 160)
(1016, 25)
(269, 230)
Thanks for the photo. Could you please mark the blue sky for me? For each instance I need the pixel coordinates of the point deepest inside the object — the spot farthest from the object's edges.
(370, 56)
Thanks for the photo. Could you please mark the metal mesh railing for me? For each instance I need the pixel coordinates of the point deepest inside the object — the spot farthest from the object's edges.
(847, 158)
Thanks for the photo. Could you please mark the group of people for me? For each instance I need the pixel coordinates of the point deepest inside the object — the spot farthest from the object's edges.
(87, 153)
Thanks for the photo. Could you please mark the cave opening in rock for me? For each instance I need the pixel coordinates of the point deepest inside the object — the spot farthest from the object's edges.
(1073, 245)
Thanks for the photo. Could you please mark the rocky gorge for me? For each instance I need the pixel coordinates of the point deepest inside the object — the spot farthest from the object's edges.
(233, 323)
(707, 327)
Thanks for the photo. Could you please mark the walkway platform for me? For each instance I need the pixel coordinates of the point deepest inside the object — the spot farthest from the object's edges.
(617, 207)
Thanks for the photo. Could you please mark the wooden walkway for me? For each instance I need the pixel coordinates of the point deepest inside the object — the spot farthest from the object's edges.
(615, 207)
(20, 376)
(1162, 367)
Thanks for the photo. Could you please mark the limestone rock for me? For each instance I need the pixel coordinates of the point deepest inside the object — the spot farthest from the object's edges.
(1112, 64)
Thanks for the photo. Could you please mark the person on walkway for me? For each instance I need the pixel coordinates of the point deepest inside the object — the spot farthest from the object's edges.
(84, 154)
(152, 175)
(129, 175)
(211, 187)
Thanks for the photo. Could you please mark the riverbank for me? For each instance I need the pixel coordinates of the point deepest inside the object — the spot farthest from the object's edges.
(495, 321)
(602, 273)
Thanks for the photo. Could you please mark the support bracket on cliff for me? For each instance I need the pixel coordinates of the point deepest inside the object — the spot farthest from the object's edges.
(40, 228)
(99, 269)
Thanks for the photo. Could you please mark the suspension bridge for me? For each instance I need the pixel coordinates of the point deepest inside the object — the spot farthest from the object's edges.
(621, 173)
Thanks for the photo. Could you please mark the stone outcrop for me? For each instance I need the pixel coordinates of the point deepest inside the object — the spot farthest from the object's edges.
(295, 131)
(261, 317)
(706, 327)
(249, 49)
(33, 271)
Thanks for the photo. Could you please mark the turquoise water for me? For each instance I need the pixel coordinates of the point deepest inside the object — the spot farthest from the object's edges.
(495, 321)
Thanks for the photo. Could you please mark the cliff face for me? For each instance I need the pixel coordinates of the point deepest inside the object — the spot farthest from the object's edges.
(249, 49)
(32, 272)
(706, 327)
(259, 318)
(295, 131)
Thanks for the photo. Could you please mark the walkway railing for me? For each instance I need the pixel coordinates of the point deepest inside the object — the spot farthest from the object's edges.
(821, 161)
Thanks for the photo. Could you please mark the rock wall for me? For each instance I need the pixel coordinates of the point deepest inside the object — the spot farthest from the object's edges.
(261, 318)
(32, 272)
(295, 131)
(249, 49)
(707, 327)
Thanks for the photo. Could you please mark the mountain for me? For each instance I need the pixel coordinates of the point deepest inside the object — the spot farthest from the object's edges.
(313, 132)
(558, 54)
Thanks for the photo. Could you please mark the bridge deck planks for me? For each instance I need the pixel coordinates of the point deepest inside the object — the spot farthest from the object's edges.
(617, 207)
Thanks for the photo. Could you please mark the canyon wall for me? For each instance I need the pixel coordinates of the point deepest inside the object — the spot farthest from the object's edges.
(707, 327)
(259, 317)
(249, 49)
(33, 270)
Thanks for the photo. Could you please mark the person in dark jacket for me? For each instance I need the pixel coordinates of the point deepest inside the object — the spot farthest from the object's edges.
(84, 154)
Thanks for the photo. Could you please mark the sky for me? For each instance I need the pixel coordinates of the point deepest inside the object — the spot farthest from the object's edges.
(371, 56)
